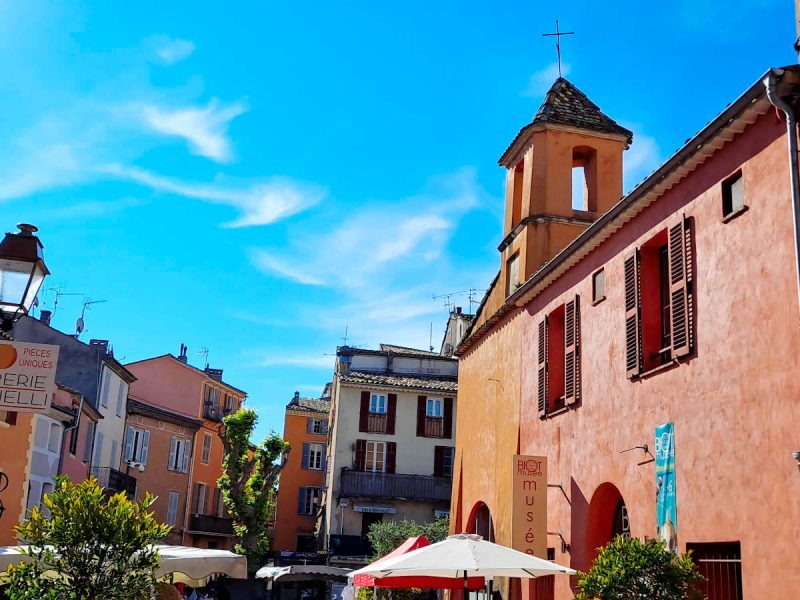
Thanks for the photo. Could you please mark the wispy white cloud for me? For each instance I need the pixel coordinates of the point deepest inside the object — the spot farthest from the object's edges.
(284, 269)
(541, 81)
(641, 158)
(171, 50)
(259, 203)
(204, 128)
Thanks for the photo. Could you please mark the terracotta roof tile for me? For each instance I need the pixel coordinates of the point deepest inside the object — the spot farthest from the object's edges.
(439, 383)
(310, 404)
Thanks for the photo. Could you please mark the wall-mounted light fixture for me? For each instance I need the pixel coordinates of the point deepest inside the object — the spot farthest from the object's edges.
(565, 547)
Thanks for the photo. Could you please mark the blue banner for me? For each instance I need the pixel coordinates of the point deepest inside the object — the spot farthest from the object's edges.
(666, 506)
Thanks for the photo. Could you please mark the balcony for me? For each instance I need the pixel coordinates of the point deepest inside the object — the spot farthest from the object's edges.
(210, 525)
(434, 427)
(115, 481)
(349, 545)
(376, 422)
(424, 488)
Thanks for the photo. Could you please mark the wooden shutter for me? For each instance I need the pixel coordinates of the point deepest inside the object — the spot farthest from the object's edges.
(391, 457)
(438, 461)
(145, 447)
(572, 366)
(633, 322)
(301, 501)
(215, 505)
(679, 258)
(542, 368)
(11, 417)
(323, 461)
(391, 413)
(128, 444)
(309, 425)
(361, 454)
(447, 414)
(421, 400)
(173, 448)
(306, 456)
(187, 447)
(363, 417)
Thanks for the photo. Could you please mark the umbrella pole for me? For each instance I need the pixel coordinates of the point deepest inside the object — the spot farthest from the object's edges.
(466, 588)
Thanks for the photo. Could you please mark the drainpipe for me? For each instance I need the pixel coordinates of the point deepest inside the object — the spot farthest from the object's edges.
(777, 98)
(66, 429)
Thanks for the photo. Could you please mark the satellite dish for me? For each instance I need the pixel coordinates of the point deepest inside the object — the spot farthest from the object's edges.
(79, 325)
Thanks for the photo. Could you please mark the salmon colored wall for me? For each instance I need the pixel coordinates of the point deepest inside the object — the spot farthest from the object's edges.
(73, 465)
(287, 522)
(165, 382)
(734, 404)
(15, 444)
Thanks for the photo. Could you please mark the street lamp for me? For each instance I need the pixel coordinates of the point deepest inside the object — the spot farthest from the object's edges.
(22, 271)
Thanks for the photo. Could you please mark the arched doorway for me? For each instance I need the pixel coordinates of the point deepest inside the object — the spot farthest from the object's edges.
(607, 518)
(480, 521)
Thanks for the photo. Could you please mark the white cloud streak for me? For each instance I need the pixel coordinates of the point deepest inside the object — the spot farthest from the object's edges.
(172, 50)
(541, 81)
(205, 129)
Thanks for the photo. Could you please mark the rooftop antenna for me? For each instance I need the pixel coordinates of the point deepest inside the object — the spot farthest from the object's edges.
(80, 325)
(344, 339)
(558, 35)
(448, 298)
(58, 292)
(430, 340)
(204, 353)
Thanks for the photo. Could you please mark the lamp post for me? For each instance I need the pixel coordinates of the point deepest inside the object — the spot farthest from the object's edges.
(22, 271)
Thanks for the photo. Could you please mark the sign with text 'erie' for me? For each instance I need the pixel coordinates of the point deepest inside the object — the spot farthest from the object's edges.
(529, 505)
(27, 376)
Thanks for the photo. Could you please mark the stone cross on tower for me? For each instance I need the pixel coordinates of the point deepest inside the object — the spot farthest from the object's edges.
(558, 35)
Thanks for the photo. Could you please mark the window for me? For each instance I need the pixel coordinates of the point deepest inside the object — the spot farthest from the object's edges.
(306, 543)
(377, 404)
(313, 456)
(73, 436)
(137, 442)
(434, 408)
(598, 286)
(98, 450)
(558, 359)
(309, 500)
(114, 457)
(205, 455)
(179, 455)
(512, 274)
(319, 426)
(231, 404)
(720, 564)
(518, 175)
(87, 448)
(121, 393)
(54, 438)
(375, 459)
(200, 494)
(443, 461)
(104, 390)
(733, 196)
(211, 403)
(659, 320)
(172, 508)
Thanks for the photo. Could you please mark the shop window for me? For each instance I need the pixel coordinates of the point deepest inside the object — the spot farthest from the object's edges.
(658, 301)
(733, 197)
(558, 359)
(720, 564)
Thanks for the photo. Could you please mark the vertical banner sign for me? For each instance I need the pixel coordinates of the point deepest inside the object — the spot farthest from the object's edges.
(27, 376)
(666, 508)
(529, 505)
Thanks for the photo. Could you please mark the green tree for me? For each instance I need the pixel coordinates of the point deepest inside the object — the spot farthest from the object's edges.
(385, 536)
(629, 569)
(87, 545)
(248, 481)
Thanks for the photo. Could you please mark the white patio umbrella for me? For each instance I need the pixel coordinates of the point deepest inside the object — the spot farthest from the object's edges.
(464, 555)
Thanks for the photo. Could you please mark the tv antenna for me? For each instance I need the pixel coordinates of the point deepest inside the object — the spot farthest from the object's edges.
(204, 353)
(80, 325)
(430, 340)
(346, 329)
(447, 299)
(59, 291)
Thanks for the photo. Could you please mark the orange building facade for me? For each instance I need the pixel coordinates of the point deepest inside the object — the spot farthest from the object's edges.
(195, 455)
(302, 479)
(671, 305)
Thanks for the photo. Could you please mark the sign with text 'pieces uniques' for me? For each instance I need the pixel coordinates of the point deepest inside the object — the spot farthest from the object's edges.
(529, 508)
(27, 376)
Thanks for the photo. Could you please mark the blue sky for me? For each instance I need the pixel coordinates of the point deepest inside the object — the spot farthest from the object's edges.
(254, 177)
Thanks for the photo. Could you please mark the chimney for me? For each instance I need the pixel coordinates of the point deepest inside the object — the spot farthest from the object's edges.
(214, 373)
(182, 355)
(458, 310)
(297, 395)
(45, 316)
(101, 345)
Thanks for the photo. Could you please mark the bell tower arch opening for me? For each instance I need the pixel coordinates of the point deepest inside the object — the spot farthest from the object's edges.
(584, 179)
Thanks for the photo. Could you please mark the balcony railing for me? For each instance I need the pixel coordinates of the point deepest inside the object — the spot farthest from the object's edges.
(115, 481)
(349, 545)
(376, 422)
(424, 488)
(434, 427)
(211, 524)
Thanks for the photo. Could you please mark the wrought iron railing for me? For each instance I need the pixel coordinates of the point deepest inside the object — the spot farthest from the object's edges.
(115, 481)
(376, 423)
(425, 488)
(211, 524)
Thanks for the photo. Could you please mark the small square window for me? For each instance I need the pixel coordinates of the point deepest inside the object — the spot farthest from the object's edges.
(512, 274)
(733, 196)
(598, 286)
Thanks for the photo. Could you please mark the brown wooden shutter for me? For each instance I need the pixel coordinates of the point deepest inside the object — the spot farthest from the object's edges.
(438, 461)
(391, 457)
(447, 413)
(421, 401)
(361, 454)
(363, 417)
(391, 413)
(633, 323)
(542, 368)
(679, 256)
(11, 417)
(572, 368)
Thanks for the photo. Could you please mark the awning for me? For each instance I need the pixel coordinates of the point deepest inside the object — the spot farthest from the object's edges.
(303, 573)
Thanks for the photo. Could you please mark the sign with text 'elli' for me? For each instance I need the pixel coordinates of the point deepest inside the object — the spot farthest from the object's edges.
(27, 376)
(529, 505)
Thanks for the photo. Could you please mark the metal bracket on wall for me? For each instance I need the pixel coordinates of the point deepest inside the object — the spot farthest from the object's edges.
(563, 491)
(565, 547)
